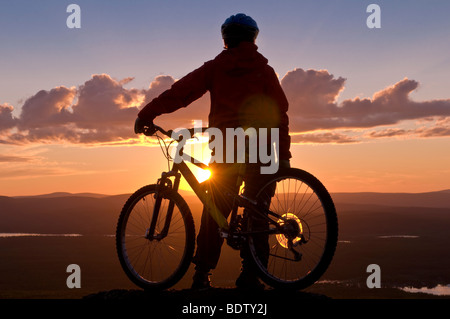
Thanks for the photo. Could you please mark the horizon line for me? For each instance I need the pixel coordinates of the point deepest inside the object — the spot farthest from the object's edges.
(191, 193)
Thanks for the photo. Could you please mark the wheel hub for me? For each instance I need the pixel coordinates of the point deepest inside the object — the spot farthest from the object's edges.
(292, 230)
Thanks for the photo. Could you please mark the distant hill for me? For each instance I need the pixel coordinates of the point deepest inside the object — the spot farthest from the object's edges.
(64, 194)
(87, 213)
(61, 214)
(439, 199)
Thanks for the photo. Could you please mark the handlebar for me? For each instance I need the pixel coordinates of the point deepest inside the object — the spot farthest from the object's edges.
(158, 128)
(169, 133)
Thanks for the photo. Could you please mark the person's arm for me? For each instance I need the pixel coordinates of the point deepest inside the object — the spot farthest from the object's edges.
(181, 94)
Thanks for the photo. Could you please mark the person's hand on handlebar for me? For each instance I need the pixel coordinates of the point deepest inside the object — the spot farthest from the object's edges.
(142, 126)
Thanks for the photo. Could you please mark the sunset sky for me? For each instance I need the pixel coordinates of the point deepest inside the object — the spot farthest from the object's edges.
(369, 108)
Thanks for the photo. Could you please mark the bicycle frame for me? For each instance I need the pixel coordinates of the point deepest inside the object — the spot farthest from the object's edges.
(178, 170)
(227, 229)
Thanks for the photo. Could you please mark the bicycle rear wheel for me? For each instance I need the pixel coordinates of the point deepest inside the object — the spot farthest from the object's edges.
(299, 255)
(155, 263)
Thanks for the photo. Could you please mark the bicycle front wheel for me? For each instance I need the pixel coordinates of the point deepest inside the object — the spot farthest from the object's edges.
(297, 256)
(155, 262)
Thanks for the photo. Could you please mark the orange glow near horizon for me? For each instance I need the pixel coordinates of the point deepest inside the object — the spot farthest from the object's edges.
(405, 166)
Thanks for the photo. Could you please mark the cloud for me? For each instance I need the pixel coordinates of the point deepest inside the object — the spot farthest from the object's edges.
(102, 110)
(440, 128)
(47, 108)
(312, 95)
(311, 92)
(390, 132)
(103, 103)
(431, 127)
(7, 120)
(14, 159)
(99, 111)
(321, 138)
(158, 86)
(435, 132)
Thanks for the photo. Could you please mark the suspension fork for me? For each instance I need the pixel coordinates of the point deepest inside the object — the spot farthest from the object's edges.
(164, 183)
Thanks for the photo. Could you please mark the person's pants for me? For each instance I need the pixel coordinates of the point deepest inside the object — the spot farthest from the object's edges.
(223, 184)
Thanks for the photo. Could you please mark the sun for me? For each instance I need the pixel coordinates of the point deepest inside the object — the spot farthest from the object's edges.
(203, 175)
(199, 149)
(200, 174)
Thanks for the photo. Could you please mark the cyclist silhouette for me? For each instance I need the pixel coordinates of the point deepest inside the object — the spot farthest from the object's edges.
(245, 92)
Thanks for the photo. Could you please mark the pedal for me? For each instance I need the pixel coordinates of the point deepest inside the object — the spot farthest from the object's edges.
(223, 234)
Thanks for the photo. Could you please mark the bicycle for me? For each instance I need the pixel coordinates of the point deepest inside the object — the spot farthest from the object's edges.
(155, 234)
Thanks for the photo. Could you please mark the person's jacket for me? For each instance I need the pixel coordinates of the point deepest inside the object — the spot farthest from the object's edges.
(245, 92)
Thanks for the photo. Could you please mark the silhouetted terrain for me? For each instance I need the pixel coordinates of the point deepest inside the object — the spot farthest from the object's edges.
(405, 234)
(97, 214)
(61, 214)
(431, 199)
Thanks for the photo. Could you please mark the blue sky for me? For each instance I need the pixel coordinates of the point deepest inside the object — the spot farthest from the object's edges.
(142, 39)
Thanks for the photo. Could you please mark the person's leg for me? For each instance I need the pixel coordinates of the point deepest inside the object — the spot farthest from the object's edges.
(253, 183)
(209, 241)
(208, 250)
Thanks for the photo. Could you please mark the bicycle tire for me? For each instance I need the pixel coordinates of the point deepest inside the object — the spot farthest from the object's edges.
(317, 253)
(138, 255)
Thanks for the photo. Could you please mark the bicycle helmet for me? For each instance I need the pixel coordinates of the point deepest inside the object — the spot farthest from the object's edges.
(238, 28)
